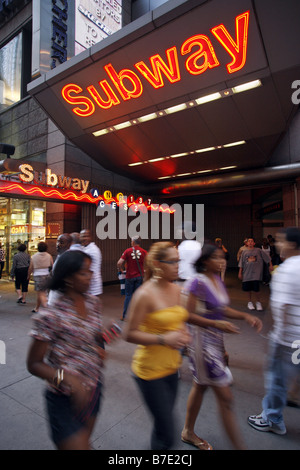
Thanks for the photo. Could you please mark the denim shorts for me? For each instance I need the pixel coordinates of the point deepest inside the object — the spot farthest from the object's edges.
(64, 419)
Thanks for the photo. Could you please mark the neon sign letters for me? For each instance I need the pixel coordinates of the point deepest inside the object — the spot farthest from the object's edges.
(127, 84)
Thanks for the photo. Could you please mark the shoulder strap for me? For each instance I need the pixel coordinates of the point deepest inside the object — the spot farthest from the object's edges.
(133, 249)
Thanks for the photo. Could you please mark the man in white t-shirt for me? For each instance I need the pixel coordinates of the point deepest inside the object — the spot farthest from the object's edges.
(189, 251)
(89, 247)
(284, 349)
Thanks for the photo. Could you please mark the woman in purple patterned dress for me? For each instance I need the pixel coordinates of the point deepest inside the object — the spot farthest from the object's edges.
(67, 351)
(207, 297)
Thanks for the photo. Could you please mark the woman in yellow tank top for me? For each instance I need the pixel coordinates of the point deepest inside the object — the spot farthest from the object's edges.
(156, 324)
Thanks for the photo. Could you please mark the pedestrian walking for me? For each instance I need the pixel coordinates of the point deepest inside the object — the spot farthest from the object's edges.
(132, 261)
(89, 247)
(208, 298)
(40, 266)
(219, 244)
(19, 272)
(63, 244)
(2, 259)
(157, 324)
(283, 361)
(67, 352)
(251, 266)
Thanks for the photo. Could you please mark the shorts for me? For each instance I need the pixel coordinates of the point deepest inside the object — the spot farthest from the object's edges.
(250, 286)
(40, 283)
(64, 419)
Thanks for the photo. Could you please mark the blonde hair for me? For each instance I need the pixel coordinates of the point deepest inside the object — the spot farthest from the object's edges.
(157, 252)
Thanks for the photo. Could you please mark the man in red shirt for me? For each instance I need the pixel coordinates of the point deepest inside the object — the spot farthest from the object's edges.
(133, 258)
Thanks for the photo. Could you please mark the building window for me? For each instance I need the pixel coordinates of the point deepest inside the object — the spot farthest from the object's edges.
(15, 68)
(11, 72)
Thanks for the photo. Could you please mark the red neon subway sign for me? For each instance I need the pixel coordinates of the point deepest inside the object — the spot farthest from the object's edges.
(57, 194)
(199, 55)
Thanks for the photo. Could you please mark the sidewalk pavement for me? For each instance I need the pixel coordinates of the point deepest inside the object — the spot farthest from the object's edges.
(124, 423)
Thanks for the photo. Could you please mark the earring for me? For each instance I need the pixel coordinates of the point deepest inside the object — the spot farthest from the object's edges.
(157, 274)
(69, 284)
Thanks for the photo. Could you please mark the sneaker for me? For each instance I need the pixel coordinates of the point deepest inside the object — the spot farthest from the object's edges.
(260, 424)
(251, 306)
(259, 306)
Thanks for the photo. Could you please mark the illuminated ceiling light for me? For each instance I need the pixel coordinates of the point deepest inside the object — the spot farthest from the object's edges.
(233, 144)
(182, 106)
(246, 86)
(208, 98)
(156, 159)
(175, 109)
(228, 167)
(147, 117)
(177, 155)
(136, 163)
(163, 177)
(101, 132)
(207, 149)
(122, 125)
(204, 171)
(184, 174)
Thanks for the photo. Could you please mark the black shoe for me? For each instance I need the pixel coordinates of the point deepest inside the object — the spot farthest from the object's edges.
(19, 300)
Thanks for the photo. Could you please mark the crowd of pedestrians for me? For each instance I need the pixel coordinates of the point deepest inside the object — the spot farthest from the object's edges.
(175, 300)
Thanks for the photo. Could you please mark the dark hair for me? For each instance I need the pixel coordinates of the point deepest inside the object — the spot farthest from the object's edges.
(70, 262)
(22, 247)
(207, 251)
(42, 246)
(292, 234)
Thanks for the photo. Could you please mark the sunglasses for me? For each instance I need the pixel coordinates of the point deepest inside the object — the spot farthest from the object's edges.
(173, 261)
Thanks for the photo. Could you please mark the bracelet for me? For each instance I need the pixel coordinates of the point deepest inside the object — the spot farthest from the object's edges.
(160, 340)
(58, 378)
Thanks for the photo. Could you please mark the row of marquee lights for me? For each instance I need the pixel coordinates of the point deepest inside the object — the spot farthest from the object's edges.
(124, 202)
(183, 154)
(85, 106)
(181, 107)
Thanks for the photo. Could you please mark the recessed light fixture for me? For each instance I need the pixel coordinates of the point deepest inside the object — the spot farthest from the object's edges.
(181, 107)
(246, 86)
(136, 163)
(227, 167)
(184, 154)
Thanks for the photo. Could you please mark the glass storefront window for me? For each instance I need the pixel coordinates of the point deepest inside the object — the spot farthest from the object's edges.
(10, 72)
(21, 221)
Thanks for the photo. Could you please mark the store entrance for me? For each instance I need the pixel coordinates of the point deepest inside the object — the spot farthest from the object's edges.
(21, 221)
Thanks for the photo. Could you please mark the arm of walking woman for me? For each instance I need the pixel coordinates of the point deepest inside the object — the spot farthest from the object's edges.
(253, 321)
(195, 318)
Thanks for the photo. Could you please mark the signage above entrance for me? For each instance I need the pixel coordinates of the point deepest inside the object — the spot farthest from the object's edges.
(126, 84)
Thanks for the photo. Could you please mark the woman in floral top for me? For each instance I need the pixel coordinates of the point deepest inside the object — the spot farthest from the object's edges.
(67, 351)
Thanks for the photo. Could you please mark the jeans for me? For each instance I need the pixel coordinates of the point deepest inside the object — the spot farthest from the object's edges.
(280, 371)
(131, 285)
(160, 396)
